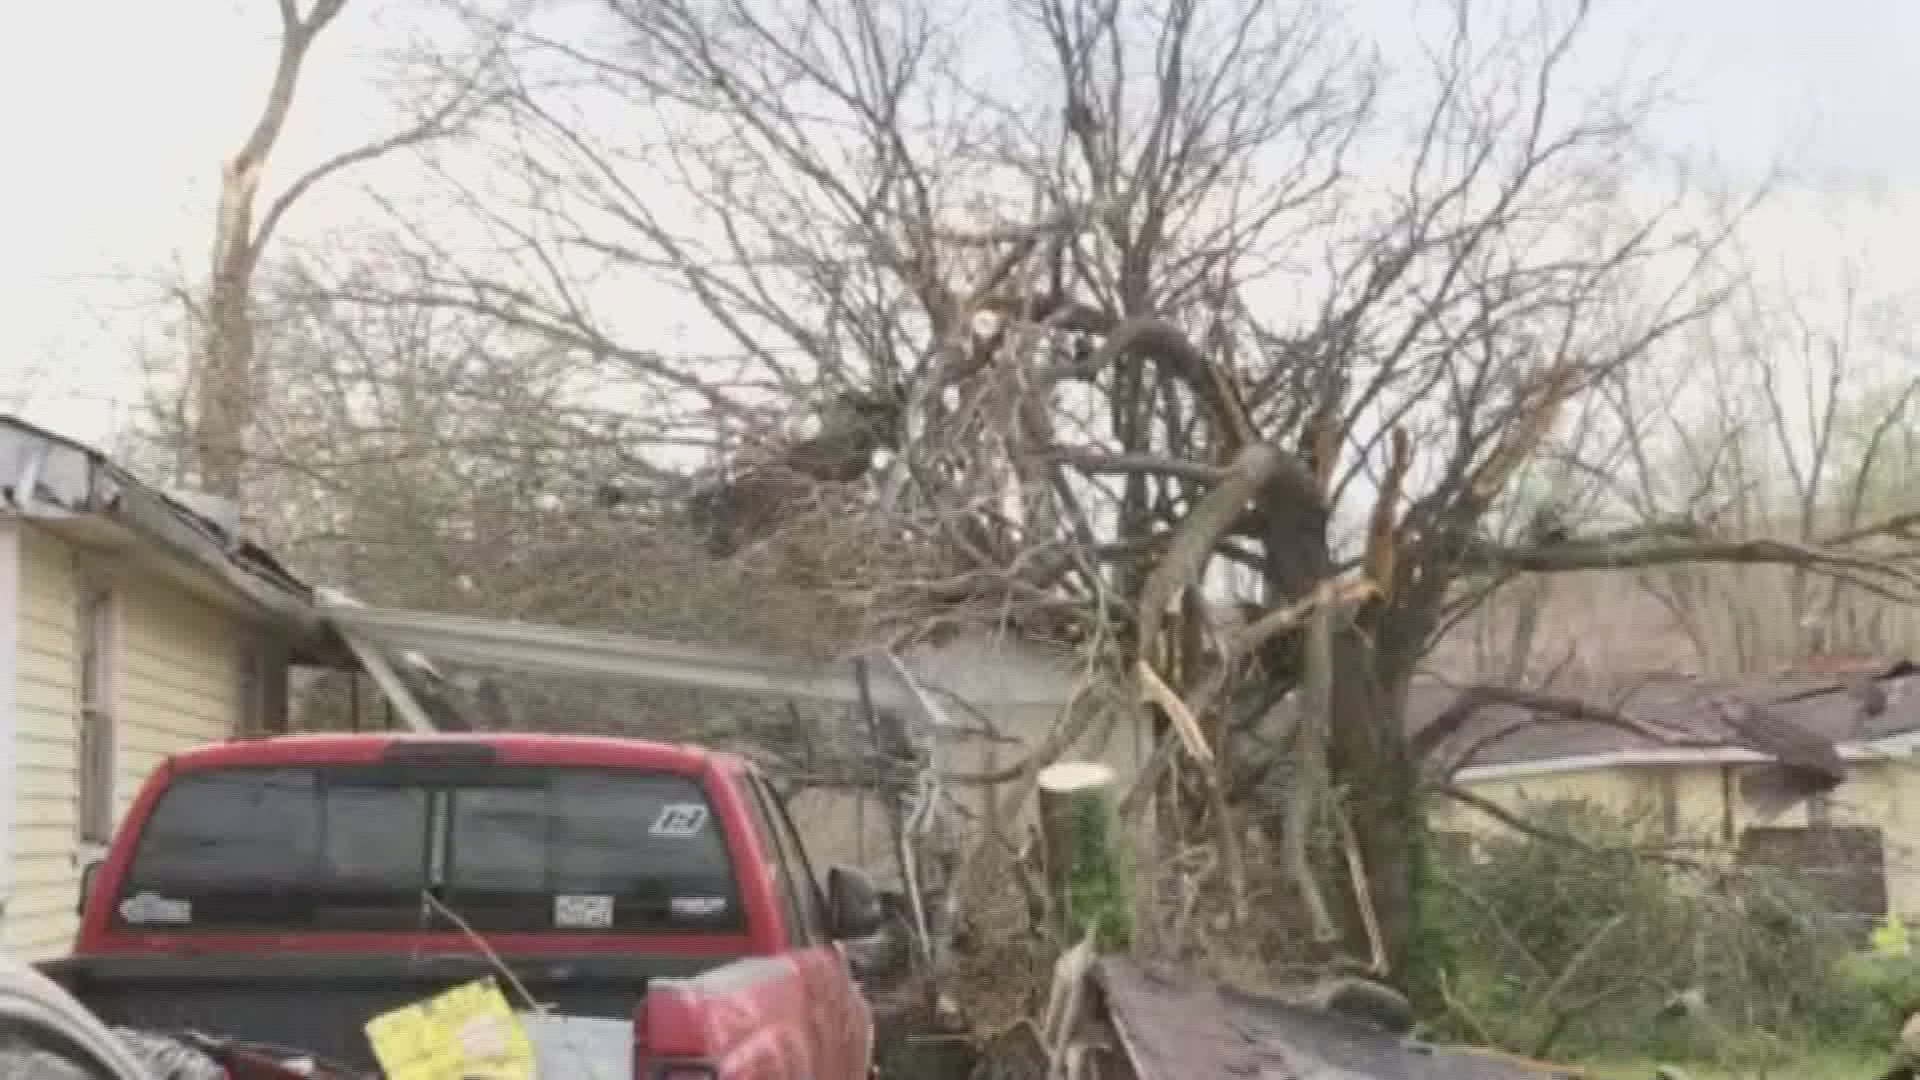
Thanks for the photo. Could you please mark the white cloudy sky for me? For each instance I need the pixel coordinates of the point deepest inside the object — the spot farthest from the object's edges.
(120, 111)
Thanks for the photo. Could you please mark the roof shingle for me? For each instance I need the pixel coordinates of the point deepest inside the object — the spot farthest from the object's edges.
(1839, 706)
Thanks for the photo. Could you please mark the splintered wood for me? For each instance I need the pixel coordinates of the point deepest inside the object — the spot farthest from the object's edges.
(1185, 725)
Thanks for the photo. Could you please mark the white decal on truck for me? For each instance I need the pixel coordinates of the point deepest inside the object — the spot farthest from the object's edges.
(679, 820)
(697, 907)
(150, 909)
(583, 912)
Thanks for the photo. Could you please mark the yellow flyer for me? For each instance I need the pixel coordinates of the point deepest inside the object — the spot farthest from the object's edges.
(468, 1031)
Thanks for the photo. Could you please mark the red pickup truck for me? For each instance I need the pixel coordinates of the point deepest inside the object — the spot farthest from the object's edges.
(284, 891)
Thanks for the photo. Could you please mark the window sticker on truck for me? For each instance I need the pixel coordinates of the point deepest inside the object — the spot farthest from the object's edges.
(697, 907)
(148, 909)
(574, 912)
(679, 820)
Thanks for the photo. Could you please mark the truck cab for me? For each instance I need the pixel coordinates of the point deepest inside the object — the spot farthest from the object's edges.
(284, 891)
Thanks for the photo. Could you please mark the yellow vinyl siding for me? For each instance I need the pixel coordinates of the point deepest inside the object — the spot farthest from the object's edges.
(179, 679)
(39, 919)
(174, 664)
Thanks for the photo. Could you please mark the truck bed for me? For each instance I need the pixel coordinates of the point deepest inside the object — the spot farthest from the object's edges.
(319, 1003)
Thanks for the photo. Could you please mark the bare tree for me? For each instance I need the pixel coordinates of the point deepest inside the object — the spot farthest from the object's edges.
(1793, 431)
(440, 459)
(223, 379)
(1159, 289)
(437, 459)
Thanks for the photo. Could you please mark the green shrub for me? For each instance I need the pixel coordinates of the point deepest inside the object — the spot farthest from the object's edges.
(1526, 971)
(1883, 980)
(1574, 948)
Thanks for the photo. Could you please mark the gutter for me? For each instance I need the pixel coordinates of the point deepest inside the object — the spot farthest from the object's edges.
(374, 662)
(530, 647)
(376, 634)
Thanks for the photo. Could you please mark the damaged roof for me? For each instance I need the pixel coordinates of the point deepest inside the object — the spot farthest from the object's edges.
(60, 481)
(1850, 704)
(1175, 1026)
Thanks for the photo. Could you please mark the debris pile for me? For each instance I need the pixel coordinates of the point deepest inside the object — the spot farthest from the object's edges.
(1114, 1019)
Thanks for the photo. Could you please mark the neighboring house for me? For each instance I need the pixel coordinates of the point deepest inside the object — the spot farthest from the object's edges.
(1859, 844)
(131, 627)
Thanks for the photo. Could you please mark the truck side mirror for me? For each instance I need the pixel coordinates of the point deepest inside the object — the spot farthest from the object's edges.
(87, 875)
(853, 904)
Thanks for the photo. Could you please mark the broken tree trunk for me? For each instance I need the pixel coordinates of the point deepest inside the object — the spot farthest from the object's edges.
(1081, 834)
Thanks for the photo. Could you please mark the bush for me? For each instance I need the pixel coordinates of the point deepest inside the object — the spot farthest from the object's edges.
(1552, 945)
(1884, 981)
(1570, 949)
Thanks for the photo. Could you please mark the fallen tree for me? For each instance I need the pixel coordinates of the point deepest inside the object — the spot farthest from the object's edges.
(1101, 406)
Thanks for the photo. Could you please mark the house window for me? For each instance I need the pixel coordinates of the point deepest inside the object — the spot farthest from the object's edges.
(95, 651)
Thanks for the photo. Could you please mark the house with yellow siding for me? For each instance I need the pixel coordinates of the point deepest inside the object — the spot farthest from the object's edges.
(1679, 773)
(132, 626)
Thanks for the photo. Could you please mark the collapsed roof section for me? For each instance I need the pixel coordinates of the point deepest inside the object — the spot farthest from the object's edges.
(77, 491)
(881, 679)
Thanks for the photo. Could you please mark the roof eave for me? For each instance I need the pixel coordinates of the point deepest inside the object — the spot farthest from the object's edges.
(1890, 746)
(52, 479)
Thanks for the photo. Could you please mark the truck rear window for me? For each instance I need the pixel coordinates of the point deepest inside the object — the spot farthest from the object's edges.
(372, 847)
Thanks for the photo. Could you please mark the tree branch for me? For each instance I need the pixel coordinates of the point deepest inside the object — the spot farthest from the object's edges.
(1473, 699)
(1644, 551)
(1193, 542)
(434, 126)
(1097, 464)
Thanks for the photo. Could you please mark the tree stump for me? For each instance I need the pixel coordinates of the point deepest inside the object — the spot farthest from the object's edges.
(1081, 834)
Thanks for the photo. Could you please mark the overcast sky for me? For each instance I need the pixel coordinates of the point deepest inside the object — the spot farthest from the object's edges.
(120, 111)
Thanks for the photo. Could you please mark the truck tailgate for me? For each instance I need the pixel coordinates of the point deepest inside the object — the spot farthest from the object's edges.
(319, 1003)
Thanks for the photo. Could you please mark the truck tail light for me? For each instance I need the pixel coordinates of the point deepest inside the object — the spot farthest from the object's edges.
(667, 1006)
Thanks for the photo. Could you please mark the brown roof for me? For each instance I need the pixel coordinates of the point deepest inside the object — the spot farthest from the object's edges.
(1835, 705)
(1176, 1026)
